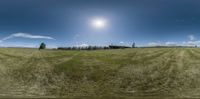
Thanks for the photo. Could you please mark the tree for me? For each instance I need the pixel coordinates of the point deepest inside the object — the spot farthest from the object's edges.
(42, 46)
(133, 46)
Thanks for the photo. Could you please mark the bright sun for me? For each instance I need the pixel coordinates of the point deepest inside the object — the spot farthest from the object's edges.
(99, 23)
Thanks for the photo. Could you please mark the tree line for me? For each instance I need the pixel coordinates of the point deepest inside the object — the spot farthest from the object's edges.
(43, 46)
(84, 48)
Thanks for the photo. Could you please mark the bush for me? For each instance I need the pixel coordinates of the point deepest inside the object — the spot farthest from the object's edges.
(42, 46)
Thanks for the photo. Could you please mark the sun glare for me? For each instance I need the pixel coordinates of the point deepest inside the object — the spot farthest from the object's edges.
(99, 23)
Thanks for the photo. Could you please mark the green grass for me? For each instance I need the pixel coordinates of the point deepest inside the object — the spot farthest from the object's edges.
(140, 72)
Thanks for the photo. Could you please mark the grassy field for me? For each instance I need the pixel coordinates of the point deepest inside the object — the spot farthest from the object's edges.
(147, 72)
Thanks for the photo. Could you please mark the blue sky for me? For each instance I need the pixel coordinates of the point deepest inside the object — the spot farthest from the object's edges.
(27, 23)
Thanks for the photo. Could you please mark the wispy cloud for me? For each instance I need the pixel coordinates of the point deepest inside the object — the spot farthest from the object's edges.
(171, 43)
(83, 45)
(25, 35)
(154, 44)
(163, 44)
(191, 37)
(191, 43)
(76, 36)
(121, 42)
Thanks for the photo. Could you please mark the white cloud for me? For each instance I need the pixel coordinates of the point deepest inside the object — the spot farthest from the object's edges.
(170, 43)
(192, 43)
(163, 44)
(25, 35)
(191, 37)
(121, 42)
(154, 44)
(83, 45)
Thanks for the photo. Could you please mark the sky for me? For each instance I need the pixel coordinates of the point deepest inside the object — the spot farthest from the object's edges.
(61, 23)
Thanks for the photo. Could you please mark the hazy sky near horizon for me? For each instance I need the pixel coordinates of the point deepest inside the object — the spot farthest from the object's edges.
(70, 22)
